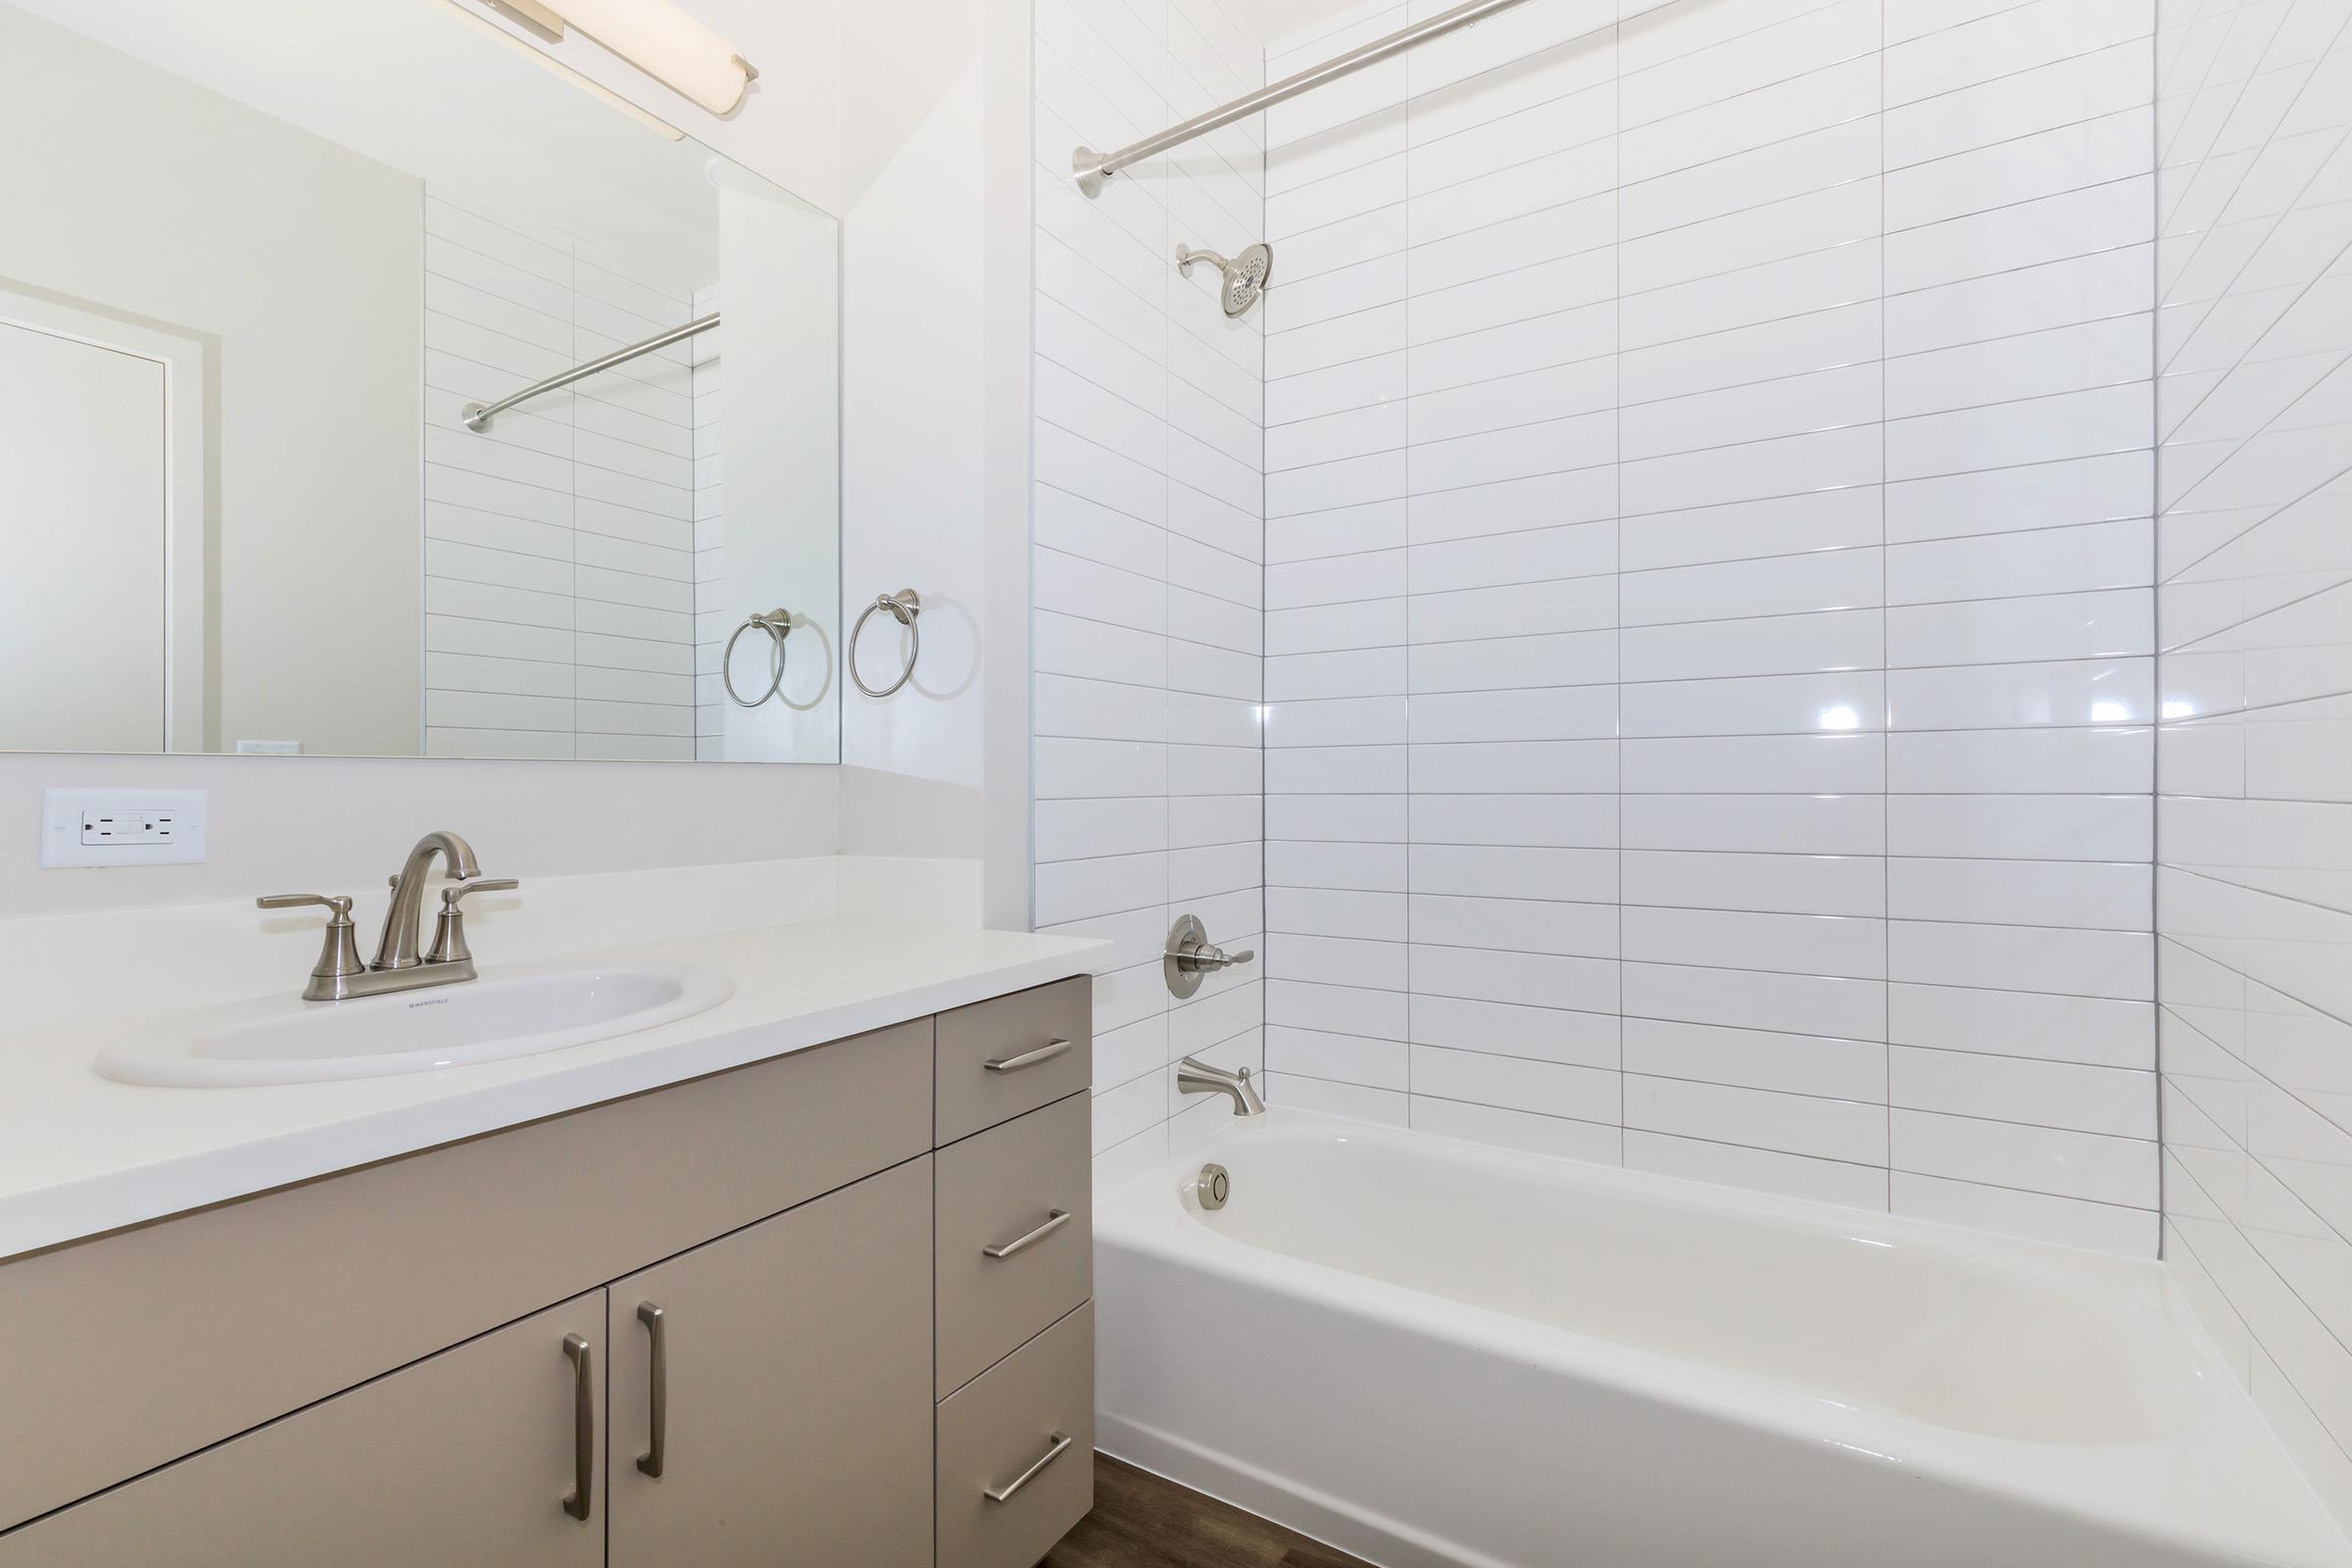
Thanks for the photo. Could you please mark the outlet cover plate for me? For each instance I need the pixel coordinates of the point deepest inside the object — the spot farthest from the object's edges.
(122, 828)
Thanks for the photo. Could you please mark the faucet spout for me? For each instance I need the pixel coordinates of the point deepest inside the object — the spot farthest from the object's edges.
(1194, 1077)
(400, 946)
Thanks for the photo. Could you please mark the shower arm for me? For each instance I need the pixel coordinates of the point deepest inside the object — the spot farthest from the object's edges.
(1093, 168)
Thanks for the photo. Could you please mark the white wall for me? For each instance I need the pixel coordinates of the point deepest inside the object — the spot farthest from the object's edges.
(334, 824)
(2255, 816)
(180, 203)
(1148, 553)
(1708, 610)
(935, 439)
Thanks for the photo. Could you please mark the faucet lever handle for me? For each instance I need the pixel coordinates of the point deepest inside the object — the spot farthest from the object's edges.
(339, 903)
(339, 955)
(456, 891)
(449, 933)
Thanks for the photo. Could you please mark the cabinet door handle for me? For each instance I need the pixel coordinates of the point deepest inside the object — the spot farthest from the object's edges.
(1055, 1219)
(655, 1324)
(1004, 1494)
(580, 1501)
(1027, 1058)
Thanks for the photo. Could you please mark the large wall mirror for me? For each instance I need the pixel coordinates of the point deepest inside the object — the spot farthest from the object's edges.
(259, 261)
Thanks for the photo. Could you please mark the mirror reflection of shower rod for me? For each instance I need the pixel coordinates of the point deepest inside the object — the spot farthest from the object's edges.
(476, 417)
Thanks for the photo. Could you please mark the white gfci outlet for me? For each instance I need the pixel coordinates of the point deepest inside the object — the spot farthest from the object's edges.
(122, 828)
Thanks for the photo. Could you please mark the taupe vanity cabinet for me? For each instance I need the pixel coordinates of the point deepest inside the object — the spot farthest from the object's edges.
(795, 1408)
(829, 1309)
(452, 1460)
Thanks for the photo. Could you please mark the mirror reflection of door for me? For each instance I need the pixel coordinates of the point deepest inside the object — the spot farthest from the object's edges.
(82, 507)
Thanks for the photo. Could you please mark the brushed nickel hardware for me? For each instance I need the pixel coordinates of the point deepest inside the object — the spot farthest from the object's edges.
(777, 623)
(339, 955)
(580, 1500)
(1215, 1186)
(1091, 169)
(339, 976)
(1027, 1058)
(1245, 278)
(657, 1444)
(544, 21)
(1004, 1493)
(476, 417)
(904, 606)
(1196, 1077)
(1191, 956)
(449, 930)
(1055, 1219)
(397, 947)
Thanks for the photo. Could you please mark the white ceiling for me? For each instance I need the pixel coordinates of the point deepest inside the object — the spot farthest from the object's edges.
(401, 83)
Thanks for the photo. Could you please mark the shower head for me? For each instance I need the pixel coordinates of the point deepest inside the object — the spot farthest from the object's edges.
(1246, 276)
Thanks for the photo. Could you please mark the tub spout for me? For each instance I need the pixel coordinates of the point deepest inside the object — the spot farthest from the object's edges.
(1193, 1077)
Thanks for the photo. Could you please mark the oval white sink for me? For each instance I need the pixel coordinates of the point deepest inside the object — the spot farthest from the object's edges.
(517, 1011)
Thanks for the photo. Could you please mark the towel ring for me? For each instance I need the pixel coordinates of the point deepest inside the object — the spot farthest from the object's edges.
(904, 606)
(777, 623)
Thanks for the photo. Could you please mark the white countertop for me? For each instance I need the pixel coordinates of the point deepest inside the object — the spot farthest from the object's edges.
(80, 1153)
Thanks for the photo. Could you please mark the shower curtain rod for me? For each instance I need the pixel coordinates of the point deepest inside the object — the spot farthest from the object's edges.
(476, 417)
(1093, 168)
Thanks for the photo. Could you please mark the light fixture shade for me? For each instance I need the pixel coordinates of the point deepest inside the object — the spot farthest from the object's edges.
(667, 44)
(557, 69)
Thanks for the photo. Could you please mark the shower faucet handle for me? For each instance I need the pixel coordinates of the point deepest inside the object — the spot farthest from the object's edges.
(1190, 956)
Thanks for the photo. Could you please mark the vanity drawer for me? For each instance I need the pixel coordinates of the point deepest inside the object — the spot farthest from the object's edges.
(1000, 1058)
(1030, 1178)
(1039, 1402)
(131, 1350)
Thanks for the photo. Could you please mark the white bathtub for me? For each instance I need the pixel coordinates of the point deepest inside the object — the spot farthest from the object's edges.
(1429, 1352)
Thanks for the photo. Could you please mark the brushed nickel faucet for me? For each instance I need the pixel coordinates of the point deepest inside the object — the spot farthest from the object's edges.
(397, 966)
(1196, 1077)
(401, 944)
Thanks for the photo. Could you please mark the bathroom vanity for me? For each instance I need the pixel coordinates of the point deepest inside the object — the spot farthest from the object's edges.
(787, 1295)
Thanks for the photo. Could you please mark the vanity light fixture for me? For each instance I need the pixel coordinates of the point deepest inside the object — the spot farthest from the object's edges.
(556, 67)
(655, 36)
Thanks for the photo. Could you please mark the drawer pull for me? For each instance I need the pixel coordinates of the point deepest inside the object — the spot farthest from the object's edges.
(1004, 1494)
(579, 1502)
(657, 1327)
(1055, 1219)
(1027, 1058)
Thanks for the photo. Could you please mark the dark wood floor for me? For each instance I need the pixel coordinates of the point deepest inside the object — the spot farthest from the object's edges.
(1141, 1521)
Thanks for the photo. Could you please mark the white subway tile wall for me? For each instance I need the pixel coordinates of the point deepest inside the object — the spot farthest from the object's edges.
(1150, 547)
(2254, 530)
(558, 549)
(1709, 595)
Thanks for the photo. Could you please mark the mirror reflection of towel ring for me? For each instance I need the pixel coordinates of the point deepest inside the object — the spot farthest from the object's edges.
(904, 606)
(777, 623)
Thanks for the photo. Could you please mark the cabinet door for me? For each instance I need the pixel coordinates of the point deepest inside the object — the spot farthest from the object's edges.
(468, 1456)
(795, 1390)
